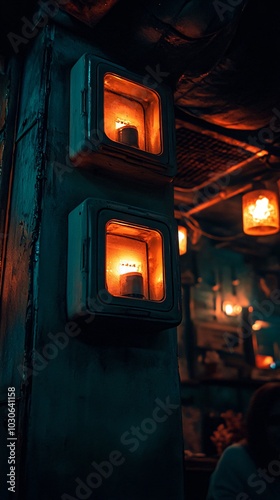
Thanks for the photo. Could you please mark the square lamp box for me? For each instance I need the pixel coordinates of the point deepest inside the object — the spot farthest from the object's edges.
(120, 122)
(123, 263)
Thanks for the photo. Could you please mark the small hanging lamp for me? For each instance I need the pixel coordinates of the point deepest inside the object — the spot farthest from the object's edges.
(182, 237)
(260, 212)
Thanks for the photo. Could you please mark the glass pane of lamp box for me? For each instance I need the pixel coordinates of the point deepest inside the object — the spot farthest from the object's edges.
(132, 114)
(134, 261)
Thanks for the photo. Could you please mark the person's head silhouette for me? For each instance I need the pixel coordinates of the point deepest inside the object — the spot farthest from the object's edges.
(263, 423)
(250, 470)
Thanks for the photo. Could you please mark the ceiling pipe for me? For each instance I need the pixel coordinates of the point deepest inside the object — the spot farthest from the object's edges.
(187, 202)
(225, 194)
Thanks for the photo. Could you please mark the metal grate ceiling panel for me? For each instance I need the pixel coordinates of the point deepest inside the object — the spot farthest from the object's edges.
(202, 158)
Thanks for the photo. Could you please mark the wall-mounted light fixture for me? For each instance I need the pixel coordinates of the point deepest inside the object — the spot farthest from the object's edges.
(123, 263)
(260, 212)
(182, 239)
(119, 122)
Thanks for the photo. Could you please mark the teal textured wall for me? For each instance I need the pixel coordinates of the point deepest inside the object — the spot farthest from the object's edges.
(110, 396)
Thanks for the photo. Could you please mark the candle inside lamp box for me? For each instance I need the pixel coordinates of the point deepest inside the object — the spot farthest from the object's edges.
(132, 114)
(131, 285)
(128, 134)
(135, 251)
(131, 281)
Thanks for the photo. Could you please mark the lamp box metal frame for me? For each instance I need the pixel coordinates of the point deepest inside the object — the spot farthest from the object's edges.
(94, 229)
(92, 107)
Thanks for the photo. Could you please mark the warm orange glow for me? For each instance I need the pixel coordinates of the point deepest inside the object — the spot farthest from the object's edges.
(182, 237)
(258, 325)
(120, 123)
(231, 309)
(134, 261)
(263, 361)
(129, 267)
(260, 213)
(134, 110)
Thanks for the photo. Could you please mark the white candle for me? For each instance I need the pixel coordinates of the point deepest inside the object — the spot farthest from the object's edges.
(131, 285)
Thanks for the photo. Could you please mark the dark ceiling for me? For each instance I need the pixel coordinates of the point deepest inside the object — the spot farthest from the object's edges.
(221, 59)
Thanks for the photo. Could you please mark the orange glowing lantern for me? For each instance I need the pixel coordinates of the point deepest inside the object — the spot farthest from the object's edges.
(182, 238)
(114, 114)
(260, 212)
(123, 263)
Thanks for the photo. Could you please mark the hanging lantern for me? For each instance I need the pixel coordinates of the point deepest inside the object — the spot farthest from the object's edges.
(260, 212)
(120, 122)
(182, 238)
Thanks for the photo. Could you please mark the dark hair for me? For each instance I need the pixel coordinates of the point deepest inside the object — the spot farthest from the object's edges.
(256, 422)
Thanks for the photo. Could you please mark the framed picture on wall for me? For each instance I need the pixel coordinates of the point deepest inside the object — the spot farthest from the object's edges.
(219, 350)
